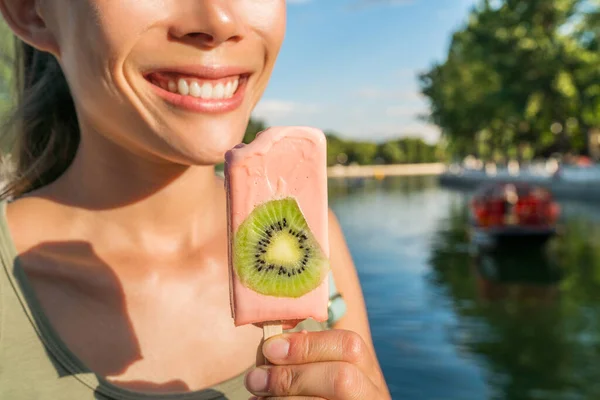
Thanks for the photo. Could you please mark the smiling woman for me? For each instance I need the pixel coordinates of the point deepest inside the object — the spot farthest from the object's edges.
(114, 246)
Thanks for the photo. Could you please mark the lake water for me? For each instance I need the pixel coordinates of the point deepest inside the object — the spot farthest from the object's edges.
(448, 325)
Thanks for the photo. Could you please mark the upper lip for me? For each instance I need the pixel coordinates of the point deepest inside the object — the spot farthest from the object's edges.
(203, 71)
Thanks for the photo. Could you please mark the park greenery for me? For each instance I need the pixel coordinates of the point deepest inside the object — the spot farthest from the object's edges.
(521, 79)
(6, 68)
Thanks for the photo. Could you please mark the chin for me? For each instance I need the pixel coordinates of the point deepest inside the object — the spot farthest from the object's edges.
(208, 144)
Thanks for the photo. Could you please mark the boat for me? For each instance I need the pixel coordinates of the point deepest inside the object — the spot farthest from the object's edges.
(512, 214)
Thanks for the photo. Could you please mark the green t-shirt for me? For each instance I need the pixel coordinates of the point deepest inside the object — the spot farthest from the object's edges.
(35, 364)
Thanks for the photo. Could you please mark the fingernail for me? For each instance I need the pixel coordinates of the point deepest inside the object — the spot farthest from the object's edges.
(276, 349)
(257, 380)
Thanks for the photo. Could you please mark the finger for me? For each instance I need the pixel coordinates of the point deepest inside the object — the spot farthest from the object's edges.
(304, 348)
(331, 380)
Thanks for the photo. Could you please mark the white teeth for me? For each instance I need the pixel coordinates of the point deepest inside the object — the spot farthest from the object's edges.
(219, 91)
(228, 89)
(195, 89)
(207, 91)
(183, 88)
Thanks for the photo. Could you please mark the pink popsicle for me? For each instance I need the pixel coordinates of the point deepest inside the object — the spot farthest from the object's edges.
(281, 162)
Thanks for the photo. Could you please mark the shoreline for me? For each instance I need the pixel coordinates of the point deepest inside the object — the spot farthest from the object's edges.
(560, 188)
(381, 171)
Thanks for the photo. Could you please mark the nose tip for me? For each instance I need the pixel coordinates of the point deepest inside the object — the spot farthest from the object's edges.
(211, 24)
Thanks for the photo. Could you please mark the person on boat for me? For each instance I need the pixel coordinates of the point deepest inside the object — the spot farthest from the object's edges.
(114, 282)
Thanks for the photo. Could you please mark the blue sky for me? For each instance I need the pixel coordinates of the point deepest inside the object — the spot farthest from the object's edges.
(351, 65)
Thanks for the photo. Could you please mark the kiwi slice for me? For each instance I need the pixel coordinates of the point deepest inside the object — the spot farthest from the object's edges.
(276, 254)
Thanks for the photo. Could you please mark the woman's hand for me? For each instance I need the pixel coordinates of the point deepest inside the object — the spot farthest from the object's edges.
(331, 365)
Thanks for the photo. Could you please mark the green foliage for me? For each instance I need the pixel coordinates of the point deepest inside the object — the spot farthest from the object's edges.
(362, 153)
(399, 151)
(392, 153)
(344, 152)
(255, 126)
(6, 67)
(336, 149)
(515, 70)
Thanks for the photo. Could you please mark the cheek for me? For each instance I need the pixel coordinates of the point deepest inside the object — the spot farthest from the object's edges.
(265, 17)
(124, 21)
(95, 37)
(104, 31)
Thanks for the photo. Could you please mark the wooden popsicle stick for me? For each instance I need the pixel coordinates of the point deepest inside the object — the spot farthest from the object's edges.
(270, 329)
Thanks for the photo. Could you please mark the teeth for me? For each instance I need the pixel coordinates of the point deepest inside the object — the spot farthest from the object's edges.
(183, 87)
(228, 91)
(195, 89)
(219, 91)
(207, 91)
(204, 90)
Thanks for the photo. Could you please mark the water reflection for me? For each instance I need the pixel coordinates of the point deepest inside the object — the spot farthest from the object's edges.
(450, 324)
(527, 275)
(404, 185)
(530, 314)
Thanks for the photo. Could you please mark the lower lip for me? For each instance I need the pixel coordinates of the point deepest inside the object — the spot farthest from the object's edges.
(199, 105)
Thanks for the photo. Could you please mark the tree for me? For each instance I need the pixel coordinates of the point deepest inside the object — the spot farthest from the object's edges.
(362, 153)
(518, 73)
(255, 126)
(391, 153)
(336, 149)
(6, 67)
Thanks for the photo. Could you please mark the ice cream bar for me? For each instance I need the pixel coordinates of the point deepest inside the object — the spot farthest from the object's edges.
(278, 232)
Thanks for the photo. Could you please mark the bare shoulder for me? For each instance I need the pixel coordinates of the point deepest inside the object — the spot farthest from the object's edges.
(31, 218)
(21, 223)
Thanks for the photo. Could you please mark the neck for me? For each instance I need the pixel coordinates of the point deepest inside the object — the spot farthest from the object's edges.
(145, 197)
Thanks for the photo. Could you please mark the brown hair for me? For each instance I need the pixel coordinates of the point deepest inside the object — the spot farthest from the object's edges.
(44, 123)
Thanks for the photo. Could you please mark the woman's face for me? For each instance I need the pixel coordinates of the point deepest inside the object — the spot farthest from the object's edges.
(175, 79)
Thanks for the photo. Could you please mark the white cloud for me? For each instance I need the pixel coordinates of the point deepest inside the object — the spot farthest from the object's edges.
(386, 131)
(411, 73)
(269, 109)
(370, 113)
(410, 110)
(394, 102)
(371, 92)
